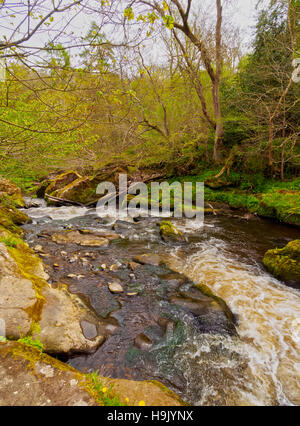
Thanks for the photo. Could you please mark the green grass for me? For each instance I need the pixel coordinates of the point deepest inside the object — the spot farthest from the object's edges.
(35, 343)
(265, 197)
(104, 393)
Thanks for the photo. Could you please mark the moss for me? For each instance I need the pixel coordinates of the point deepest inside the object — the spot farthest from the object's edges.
(30, 266)
(82, 191)
(169, 232)
(10, 218)
(284, 263)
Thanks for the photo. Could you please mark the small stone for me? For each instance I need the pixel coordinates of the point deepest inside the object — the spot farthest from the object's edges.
(38, 248)
(132, 294)
(143, 342)
(89, 330)
(115, 287)
(72, 276)
(114, 268)
(148, 259)
(103, 266)
(55, 265)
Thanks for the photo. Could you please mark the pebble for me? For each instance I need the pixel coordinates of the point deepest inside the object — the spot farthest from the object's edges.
(115, 287)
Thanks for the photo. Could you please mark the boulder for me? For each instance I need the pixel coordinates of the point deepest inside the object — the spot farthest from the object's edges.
(211, 313)
(82, 239)
(31, 378)
(17, 297)
(284, 263)
(56, 182)
(169, 233)
(83, 190)
(10, 218)
(63, 323)
(30, 307)
(11, 190)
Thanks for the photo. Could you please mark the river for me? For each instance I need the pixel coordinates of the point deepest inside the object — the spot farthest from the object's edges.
(260, 367)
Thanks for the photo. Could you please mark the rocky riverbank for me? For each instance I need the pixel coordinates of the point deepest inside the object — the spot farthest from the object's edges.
(38, 319)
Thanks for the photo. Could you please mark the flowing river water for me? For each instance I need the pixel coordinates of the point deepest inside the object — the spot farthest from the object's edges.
(262, 365)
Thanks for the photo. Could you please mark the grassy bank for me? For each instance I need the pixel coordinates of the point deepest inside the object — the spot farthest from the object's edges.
(256, 194)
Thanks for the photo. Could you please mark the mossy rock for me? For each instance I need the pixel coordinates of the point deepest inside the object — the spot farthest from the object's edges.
(170, 233)
(11, 190)
(10, 217)
(61, 181)
(82, 191)
(220, 183)
(284, 263)
(29, 377)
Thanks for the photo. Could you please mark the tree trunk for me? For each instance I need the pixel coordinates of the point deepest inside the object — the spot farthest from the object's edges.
(282, 162)
(219, 136)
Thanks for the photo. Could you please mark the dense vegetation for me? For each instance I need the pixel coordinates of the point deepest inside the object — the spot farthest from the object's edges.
(104, 103)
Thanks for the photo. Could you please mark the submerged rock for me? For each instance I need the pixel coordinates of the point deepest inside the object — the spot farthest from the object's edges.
(61, 181)
(56, 182)
(17, 297)
(8, 189)
(10, 218)
(30, 378)
(29, 306)
(170, 233)
(284, 263)
(148, 259)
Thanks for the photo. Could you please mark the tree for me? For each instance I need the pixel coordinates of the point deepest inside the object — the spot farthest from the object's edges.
(177, 15)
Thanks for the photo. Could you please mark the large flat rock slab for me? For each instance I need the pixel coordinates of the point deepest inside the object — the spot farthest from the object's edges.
(31, 378)
(28, 378)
